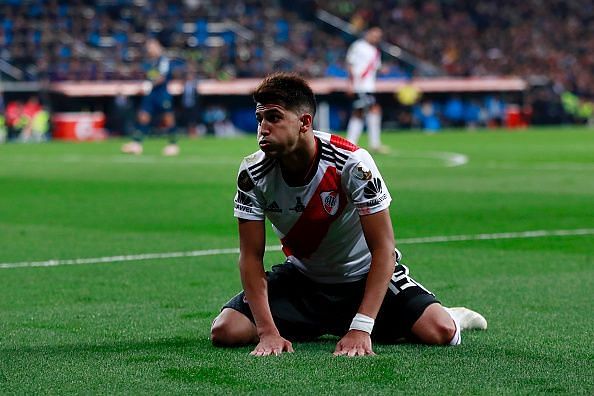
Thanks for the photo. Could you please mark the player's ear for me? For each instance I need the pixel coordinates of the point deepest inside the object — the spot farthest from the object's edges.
(306, 120)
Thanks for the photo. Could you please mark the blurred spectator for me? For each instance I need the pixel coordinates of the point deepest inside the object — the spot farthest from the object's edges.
(453, 111)
(37, 121)
(577, 108)
(473, 114)
(218, 122)
(3, 130)
(120, 116)
(494, 111)
(190, 114)
(15, 121)
(28, 122)
(426, 116)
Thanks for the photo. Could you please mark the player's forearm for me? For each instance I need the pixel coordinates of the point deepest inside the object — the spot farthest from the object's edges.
(255, 288)
(382, 269)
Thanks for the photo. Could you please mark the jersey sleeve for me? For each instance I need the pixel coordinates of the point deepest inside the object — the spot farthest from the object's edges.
(364, 184)
(379, 61)
(248, 202)
(353, 54)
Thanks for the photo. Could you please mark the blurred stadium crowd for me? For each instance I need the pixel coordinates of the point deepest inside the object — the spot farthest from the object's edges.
(534, 39)
(545, 42)
(96, 40)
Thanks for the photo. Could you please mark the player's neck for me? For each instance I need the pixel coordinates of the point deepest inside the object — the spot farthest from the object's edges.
(299, 168)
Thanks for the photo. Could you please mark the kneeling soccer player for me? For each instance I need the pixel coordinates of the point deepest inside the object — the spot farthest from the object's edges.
(328, 203)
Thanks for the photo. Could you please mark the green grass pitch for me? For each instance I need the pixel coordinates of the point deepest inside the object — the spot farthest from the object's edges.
(142, 326)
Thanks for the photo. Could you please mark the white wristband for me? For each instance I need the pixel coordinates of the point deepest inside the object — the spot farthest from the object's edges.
(363, 323)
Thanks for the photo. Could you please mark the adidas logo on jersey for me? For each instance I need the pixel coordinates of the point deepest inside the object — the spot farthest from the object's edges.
(273, 207)
(373, 188)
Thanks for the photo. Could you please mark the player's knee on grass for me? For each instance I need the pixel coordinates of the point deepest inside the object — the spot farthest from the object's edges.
(435, 326)
(232, 328)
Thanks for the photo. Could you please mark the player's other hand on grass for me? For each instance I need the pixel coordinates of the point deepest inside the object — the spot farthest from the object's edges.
(272, 345)
(354, 343)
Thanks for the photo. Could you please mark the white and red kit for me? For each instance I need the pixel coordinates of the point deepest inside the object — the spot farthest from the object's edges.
(364, 60)
(318, 223)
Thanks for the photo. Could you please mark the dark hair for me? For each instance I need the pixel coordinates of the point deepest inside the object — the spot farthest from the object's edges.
(156, 39)
(287, 89)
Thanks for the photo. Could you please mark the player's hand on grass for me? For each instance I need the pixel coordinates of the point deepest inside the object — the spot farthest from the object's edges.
(272, 345)
(354, 343)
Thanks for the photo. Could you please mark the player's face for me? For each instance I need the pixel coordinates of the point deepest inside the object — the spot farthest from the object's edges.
(374, 36)
(153, 48)
(278, 129)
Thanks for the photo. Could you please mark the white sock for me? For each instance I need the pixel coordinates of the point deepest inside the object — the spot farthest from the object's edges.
(354, 129)
(374, 126)
(457, 338)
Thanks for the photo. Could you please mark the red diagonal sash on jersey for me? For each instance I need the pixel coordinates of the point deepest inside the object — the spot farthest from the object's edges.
(372, 65)
(313, 224)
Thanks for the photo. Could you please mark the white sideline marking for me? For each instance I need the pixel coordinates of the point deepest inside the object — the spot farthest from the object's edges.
(450, 159)
(501, 235)
(215, 252)
(547, 166)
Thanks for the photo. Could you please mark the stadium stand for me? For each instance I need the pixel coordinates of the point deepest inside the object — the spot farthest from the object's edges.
(82, 40)
(50, 39)
(533, 39)
(96, 40)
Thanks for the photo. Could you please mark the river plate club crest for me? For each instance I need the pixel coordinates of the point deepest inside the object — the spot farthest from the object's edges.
(330, 201)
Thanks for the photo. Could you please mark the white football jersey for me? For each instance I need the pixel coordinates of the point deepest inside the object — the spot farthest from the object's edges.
(318, 223)
(364, 60)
